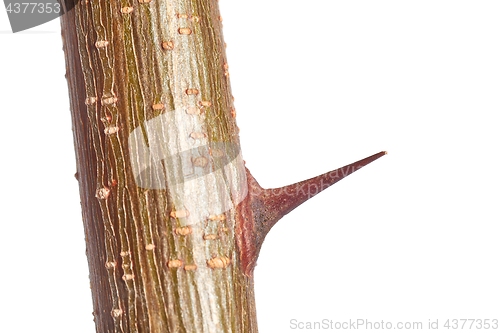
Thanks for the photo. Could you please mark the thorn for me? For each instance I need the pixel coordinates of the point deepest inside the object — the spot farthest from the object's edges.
(262, 208)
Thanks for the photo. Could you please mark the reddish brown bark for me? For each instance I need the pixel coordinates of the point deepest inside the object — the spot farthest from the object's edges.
(148, 83)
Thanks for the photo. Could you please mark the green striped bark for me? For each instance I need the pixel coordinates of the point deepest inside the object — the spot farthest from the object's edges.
(174, 221)
(159, 166)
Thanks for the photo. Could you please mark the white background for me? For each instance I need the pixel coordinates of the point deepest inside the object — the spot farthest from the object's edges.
(318, 84)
